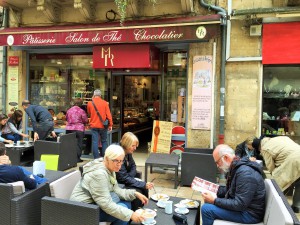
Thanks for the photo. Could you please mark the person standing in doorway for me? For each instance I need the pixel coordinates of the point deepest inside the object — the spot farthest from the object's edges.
(41, 119)
(156, 110)
(99, 111)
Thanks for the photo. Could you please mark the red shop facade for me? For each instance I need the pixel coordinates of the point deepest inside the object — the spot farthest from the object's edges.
(134, 67)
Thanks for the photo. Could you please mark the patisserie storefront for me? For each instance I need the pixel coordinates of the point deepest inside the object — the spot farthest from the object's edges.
(141, 70)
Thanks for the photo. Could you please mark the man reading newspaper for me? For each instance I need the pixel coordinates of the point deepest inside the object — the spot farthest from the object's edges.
(242, 200)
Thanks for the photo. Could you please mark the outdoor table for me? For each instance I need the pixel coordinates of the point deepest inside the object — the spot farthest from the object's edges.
(21, 155)
(193, 217)
(162, 160)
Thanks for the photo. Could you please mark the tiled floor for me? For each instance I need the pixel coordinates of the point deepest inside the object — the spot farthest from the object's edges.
(163, 180)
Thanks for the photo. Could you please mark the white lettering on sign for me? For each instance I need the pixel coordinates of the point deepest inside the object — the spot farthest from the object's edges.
(105, 54)
(112, 36)
(142, 35)
(29, 39)
(76, 38)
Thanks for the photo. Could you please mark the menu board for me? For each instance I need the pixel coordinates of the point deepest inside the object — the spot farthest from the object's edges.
(161, 136)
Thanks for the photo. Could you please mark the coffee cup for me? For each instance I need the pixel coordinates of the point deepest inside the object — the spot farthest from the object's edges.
(181, 208)
(149, 218)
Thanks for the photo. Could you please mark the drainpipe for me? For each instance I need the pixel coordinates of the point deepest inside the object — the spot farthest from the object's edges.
(223, 13)
(4, 70)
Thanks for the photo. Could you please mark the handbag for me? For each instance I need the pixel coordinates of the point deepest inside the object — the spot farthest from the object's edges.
(105, 123)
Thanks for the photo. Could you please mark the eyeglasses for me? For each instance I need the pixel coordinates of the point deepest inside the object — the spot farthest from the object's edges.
(217, 162)
(118, 161)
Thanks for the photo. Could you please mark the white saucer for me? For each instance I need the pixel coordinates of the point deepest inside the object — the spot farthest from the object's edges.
(179, 212)
(154, 222)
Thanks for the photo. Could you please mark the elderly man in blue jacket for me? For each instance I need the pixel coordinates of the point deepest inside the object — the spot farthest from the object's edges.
(242, 200)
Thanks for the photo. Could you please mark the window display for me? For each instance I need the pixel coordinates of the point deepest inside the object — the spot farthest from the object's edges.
(281, 102)
(55, 80)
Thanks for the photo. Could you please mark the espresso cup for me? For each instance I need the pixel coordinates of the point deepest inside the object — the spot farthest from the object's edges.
(162, 203)
(181, 208)
(18, 143)
(149, 218)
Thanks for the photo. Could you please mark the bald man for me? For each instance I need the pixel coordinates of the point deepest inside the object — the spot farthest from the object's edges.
(242, 200)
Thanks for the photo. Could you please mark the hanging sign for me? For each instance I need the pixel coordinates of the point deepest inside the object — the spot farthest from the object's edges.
(201, 92)
(13, 60)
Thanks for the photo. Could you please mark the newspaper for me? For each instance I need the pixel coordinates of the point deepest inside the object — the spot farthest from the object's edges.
(202, 185)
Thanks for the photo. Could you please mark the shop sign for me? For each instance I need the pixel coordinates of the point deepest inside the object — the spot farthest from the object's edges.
(121, 56)
(13, 60)
(281, 43)
(138, 34)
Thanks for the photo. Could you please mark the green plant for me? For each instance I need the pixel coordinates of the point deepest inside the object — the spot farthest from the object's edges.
(122, 8)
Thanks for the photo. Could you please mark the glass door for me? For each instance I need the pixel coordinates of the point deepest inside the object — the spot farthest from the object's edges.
(116, 102)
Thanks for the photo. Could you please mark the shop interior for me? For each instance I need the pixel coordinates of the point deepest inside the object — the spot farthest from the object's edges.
(56, 79)
(281, 102)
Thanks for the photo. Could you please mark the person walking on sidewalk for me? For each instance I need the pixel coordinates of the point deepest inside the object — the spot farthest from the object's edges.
(41, 119)
(99, 112)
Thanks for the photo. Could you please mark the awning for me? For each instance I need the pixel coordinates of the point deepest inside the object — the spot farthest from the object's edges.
(198, 28)
(281, 43)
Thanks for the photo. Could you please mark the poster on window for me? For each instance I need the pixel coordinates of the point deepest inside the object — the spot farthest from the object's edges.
(201, 92)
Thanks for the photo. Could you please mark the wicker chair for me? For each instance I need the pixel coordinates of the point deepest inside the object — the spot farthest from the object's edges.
(66, 149)
(197, 162)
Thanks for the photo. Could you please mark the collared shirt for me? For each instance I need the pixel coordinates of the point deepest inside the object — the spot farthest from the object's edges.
(76, 118)
(38, 114)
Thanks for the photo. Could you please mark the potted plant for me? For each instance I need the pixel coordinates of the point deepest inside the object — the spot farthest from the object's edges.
(122, 8)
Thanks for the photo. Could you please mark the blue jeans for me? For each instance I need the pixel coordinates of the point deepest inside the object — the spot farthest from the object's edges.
(38, 179)
(104, 217)
(96, 132)
(210, 212)
(14, 137)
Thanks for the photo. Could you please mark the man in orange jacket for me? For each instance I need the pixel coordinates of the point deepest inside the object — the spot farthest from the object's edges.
(96, 125)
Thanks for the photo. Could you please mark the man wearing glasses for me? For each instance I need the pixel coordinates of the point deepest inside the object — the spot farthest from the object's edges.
(242, 200)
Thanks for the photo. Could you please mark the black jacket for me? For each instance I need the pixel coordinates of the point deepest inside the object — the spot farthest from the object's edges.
(241, 152)
(127, 173)
(245, 189)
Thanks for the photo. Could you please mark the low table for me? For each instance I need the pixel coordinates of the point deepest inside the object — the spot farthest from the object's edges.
(162, 160)
(193, 217)
(21, 156)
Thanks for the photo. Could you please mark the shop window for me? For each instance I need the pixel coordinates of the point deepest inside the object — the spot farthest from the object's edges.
(281, 101)
(55, 80)
(174, 90)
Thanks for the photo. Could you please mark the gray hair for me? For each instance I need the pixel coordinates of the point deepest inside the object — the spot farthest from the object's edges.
(225, 149)
(97, 92)
(114, 151)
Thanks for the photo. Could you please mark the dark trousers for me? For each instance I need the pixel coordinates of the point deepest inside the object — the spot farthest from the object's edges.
(136, 203)
(44, 129)
(79, 137)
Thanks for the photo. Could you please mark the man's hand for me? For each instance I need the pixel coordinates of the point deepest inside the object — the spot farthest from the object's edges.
(208, 197)
(143, 198)
(252, 159)
(53, 134)
(25, 135)
(4, 160)
(109, 128)
(149, 185)
(35, 136)
(137, 218)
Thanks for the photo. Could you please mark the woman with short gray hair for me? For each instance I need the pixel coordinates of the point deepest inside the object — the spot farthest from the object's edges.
(99, 186)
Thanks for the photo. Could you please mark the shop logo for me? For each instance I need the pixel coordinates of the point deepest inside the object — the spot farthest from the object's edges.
(10, 40)
(201, 32)
(107, 56)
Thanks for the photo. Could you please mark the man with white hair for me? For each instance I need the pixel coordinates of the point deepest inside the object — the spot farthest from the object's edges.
(99, 112)
(242, 200)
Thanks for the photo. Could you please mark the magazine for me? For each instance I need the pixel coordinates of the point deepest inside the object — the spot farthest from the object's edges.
(202, 185)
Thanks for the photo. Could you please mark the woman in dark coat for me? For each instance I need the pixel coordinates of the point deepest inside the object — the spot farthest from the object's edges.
(245, 149)
(127, 175)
